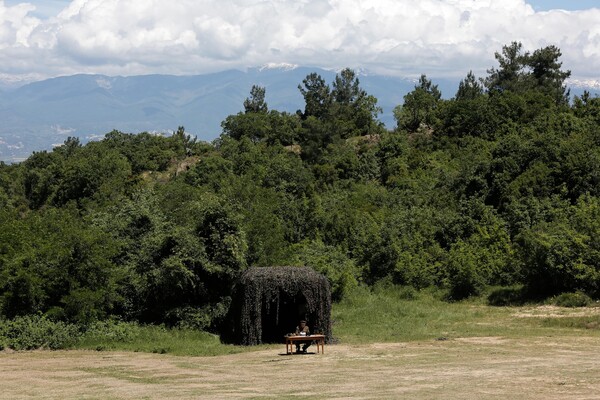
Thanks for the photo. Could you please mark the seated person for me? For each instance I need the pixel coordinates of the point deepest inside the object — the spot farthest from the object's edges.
(302, 329)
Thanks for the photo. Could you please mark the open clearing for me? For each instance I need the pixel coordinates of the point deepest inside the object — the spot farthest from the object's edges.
(553, 367)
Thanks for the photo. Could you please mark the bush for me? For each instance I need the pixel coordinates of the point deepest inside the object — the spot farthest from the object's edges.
(560, 258)
(112, 331)
(199, 318)
(408, 293)
(577, 299)
(464, 277)
(34, 332)
(331, 261)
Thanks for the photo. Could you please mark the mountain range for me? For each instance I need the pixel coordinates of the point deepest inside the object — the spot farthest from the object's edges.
(40, 115)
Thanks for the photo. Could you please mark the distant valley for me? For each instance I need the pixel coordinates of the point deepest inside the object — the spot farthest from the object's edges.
(40, 115)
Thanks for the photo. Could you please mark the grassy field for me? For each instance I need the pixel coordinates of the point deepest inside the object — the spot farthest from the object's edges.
(392, 343)
(400, 315)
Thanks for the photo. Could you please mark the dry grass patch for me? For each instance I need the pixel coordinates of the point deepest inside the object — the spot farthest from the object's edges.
(474, 368)
(549, 311)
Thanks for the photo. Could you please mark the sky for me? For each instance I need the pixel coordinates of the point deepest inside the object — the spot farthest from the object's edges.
(441, 38)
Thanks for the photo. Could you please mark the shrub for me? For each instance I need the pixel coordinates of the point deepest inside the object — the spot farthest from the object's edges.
(464, 277)
(34, 332)
(577, 299)
(340, 270)
(113, 331)
(560, 258)
(408, 293)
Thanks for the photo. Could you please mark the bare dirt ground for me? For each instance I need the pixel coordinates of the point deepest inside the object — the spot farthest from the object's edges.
(549, 311)
(470, 368)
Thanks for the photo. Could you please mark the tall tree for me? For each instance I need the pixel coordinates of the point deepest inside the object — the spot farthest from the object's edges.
(520, 71)
(346, 87)
(256, 102)
(547, 75)
(509, 75)
(354, 111)
(419, 106)
(469, 88)
(317, 96)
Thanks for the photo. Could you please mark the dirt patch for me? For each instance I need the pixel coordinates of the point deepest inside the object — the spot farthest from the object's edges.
(474, 368)
(484, 340)
(549, 311)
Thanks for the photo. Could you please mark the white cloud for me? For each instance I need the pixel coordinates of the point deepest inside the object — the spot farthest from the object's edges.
(16, 25)
(437, 37)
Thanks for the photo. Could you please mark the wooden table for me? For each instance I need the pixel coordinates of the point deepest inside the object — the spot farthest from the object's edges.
(291, 340)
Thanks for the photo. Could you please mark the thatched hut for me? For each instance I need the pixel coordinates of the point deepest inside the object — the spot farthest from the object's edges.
(268, 302)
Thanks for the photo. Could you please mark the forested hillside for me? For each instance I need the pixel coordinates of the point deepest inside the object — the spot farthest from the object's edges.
(499, 185)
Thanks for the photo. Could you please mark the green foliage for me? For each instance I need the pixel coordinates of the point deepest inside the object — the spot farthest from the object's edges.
(469, 88)
(113, 331)
(256, 102)
(341, 271)
(171, 268)
(587, 107)
(35, 332)
(144, 151)
(465, 279)
(520, 71)
(419, 108)
(55, 261)
(576, 299)
(559, 258)
(317, 96)
(333, 115)
(273, 127)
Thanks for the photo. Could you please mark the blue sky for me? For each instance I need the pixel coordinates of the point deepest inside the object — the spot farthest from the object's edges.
(571, 5)
(444, 38)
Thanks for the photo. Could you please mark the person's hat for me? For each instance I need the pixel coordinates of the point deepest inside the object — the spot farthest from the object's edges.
(302, 321)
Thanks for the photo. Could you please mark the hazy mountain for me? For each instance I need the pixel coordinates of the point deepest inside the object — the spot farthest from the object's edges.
(42, 114)
(39, 115)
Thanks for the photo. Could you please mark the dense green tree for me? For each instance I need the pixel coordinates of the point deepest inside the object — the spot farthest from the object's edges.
(547, 74)
(509, 75)
(317, 96)
(185, 143)
(53, 262)
(256, 102)
(587, 107)
(92, 173)
(469, 88)
(353, 110)
(342, 271)
(419, 108)
(145, 151)
(520, 71)
(272, 127)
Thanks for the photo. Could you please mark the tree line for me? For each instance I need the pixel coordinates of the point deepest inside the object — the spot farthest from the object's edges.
(496, 186)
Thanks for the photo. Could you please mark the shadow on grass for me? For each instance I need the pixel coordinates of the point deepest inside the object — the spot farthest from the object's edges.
(515, 296)
(508, 296)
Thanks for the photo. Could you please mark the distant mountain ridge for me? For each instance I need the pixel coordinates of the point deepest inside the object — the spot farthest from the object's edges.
(42, 114)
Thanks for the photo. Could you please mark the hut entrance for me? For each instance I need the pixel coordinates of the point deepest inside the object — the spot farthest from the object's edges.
(282, 318)
(269, 302)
